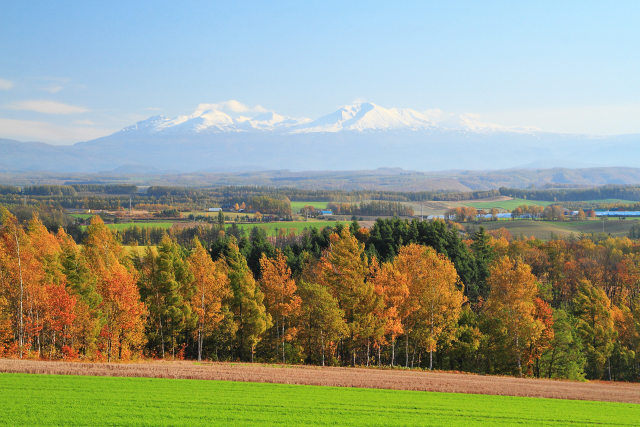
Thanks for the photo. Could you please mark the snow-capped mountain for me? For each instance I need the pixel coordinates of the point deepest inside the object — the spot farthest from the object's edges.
(233, 116)
(228, 116)
(233, 136)
(367, 116)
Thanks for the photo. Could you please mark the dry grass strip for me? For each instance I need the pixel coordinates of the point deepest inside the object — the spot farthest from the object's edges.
(341, 377)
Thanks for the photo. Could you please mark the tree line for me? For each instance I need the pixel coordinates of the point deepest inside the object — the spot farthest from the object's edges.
(403, 293)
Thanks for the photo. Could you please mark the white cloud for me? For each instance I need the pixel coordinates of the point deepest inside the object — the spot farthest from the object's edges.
(231, 106)
(47, 107)
(32, 130)
(5, 84)
(581, 119)
(53, 89)
(84, 122)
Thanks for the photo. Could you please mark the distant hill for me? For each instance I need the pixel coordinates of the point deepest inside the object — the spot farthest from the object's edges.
(390, 179)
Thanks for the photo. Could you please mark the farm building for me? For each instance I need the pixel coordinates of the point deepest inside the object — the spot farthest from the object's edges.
(326, 212)
(215, 209)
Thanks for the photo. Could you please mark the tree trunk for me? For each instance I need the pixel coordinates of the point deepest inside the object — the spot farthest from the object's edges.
(368, 353)
(322, 343)
(393, 351)
(431, 360)
(109, 349)
(201, 322)
(553, 355)
(21, 329)
(413, 357)
(161, 337)
(406, 351)
(519, 356)
(379, 358)
(283, 357)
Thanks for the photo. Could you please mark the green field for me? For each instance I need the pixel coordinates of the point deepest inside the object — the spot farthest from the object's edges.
(296, 206)
(507, 205)
(30, 399)
(547, 229)
(510, 205)
(296, 226)
(154, 224)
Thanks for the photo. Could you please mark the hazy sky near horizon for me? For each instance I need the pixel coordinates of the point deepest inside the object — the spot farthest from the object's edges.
(72, 71)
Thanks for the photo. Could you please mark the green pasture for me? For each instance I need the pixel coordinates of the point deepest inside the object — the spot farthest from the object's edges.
(296, 206)
(30, 399)
(507, 205)
(296, 226)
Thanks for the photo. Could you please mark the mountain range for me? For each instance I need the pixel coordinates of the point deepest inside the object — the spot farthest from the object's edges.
(230, 136)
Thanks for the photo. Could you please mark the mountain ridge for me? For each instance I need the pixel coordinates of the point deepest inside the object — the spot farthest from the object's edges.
(232, 136)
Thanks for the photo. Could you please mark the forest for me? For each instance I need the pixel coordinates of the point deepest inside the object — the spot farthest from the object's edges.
(402, 293)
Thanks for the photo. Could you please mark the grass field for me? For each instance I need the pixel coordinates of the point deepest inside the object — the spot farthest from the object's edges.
(29, 399)
(440, 207)
(288, 226)
(154, 224)
(296, 206)
(507, 205)
(545, 229)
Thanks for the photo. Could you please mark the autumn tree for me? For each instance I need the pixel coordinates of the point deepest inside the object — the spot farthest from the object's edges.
(564, 358)
(511, 306)
(176, 281)
(344, 268)
(434, 300)
(121, 311)
(247, 303)
(322, 321)
(11, 272)
(394, 289)
(211, 289)
(595, 326)
(280, 300)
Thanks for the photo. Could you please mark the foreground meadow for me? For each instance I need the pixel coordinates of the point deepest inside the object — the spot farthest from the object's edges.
(61, 399)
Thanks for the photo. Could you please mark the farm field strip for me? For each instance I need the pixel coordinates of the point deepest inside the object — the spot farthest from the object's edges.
(287, 226)
(148, 224)
(398, 379)
(508, 205)
(544, 229)
(57, 400)
(297, 205)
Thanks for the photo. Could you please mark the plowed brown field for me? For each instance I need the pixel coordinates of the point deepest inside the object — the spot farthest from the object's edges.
(342, 377)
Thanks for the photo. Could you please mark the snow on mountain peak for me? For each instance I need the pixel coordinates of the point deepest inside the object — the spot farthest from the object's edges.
(365, 116)
(234, 116)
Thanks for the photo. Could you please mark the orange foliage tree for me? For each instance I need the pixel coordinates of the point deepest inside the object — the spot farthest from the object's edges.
(512, 306)
(280, 298)
(212, 287)
(434, 301)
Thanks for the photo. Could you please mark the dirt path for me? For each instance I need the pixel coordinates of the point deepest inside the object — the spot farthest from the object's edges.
(342, 377)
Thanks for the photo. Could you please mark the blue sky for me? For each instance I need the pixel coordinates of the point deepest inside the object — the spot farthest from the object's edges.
(71, 71)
